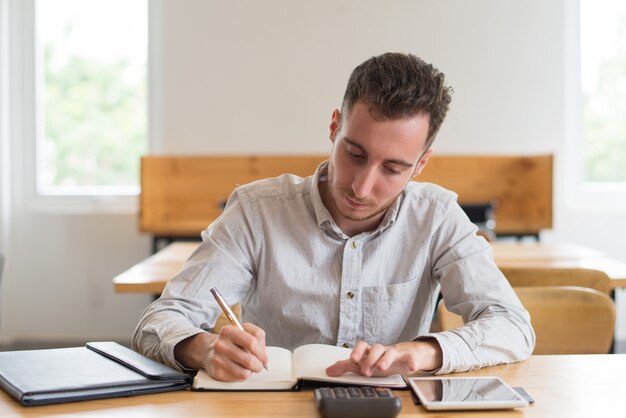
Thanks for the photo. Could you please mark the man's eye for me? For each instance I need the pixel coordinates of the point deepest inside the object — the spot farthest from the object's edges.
(392, 171)
(355, 156)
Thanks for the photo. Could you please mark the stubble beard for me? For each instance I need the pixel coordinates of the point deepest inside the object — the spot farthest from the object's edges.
(350, 194)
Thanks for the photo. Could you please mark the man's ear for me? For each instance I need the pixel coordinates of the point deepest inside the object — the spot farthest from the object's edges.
(422, 163)
(335, 125)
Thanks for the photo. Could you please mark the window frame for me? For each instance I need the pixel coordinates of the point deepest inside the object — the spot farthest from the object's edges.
(5, 29)
(580, 195)
(29, 83)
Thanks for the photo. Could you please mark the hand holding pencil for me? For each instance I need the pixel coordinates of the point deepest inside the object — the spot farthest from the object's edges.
(232, 355)
(229, 313)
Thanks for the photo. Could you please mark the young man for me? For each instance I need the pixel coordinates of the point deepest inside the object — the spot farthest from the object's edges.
(354, 255)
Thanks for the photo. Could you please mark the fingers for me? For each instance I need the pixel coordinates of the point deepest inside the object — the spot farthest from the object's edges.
(245, 348)
(370, 361)
(351, 365)
(223, 368)
(342, 367)
(236, 354)
(367, 357)
(387, 363)
(359, 351)
(258, 348)
(363, 360)
(366, 360)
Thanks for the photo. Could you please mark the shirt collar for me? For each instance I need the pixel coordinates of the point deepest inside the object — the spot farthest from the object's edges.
(322, 215)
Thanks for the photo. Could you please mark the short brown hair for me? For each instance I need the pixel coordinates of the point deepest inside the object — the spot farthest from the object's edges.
(397, 85)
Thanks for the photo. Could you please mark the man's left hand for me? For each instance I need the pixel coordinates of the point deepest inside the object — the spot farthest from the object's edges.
(380, 360)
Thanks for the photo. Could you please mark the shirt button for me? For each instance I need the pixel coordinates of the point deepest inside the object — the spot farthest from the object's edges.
(350, 295)
(354, 244)
(345, 345)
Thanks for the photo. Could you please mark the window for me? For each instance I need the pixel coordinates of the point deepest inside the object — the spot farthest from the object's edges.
(603, 88)
(91, 104)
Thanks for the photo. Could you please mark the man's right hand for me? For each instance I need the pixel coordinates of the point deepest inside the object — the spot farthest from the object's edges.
(231, 356)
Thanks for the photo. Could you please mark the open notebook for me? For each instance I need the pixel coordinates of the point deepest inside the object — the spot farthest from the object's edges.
(286, 369)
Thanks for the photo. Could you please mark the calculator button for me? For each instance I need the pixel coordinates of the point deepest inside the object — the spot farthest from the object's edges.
(341, 393)
(354, 392)
(369, 392)
(383, 393)
(326, 393)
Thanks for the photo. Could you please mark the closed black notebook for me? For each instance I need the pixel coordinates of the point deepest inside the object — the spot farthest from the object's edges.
(98, 370)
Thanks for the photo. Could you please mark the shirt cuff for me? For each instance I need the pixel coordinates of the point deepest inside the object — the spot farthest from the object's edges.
(170, 344)
(449, 362)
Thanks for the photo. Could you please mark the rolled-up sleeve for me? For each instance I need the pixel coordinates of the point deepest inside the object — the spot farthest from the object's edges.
(497, 327)
(187, 306)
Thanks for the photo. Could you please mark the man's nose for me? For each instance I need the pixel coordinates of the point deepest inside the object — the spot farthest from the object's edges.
(363, 183)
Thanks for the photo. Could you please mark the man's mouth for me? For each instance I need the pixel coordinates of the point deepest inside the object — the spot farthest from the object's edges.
(354, 203)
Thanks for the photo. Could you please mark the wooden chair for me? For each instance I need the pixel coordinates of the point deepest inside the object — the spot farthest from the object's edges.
(222, 320)
(566, 319)
(530, 276)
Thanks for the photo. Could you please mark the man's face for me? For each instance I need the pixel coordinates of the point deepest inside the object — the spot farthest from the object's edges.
(372, 161)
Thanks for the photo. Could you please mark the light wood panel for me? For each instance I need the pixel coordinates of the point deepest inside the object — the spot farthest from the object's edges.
(544, 276)
(521, 185)
(181, 195)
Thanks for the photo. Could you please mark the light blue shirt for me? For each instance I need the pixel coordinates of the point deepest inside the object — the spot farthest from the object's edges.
(278, 252)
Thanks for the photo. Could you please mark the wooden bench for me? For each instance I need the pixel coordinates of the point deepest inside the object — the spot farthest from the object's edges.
(181, 195)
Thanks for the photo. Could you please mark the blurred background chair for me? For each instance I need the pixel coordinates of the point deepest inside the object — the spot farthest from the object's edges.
(222, 320)
(530, 276)
(566, 319)
(483, 216)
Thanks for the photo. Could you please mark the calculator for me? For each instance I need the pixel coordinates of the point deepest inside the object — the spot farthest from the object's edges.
(357, 402)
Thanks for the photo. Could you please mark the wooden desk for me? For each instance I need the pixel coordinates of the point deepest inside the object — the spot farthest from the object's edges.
(562, 386)
(150, 275)
(562, 255)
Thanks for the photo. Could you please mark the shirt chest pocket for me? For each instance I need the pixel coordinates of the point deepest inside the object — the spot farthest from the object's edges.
(388, 312)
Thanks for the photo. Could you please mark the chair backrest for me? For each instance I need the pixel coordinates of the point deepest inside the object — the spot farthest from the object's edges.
(566, 319)
(530, 276)
(223, 320)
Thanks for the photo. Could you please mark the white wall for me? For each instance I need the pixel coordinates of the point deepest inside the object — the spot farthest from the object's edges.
(245, 76)
(263, 77)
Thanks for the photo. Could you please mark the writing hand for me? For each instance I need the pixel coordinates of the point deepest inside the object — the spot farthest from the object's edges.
(231, 356)
(380, 360)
